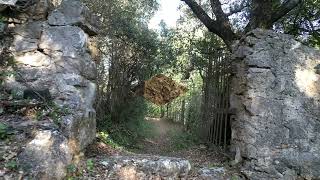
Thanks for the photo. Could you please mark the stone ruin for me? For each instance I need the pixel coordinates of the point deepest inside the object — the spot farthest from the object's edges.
(276, 129)
(276, 94)
(50, 44)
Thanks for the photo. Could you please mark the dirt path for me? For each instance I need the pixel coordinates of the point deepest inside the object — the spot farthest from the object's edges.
(161, 142)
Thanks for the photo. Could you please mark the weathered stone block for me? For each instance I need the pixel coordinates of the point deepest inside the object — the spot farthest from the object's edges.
(53, 60)
(277, 117)
(73, 12)
(27, 36)
(82, 65)
(80, 128)
(69, 40)
(51, 149)
(30, 30)
(146, 167)
(34, 59)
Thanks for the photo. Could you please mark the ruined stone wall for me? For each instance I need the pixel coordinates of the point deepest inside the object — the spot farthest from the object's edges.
(50, 49)
(276, 91)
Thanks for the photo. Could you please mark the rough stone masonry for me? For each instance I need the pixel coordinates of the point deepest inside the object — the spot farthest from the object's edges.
(49, 41)
(276, 91)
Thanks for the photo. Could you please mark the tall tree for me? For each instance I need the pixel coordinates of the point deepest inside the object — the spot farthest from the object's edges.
(130, 53)
(261, 14)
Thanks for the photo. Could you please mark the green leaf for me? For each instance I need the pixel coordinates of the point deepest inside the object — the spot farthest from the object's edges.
(90, 164)
(12, 165)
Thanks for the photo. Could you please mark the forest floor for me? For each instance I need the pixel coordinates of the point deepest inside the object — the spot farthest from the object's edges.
(162, 140)
(162, 144)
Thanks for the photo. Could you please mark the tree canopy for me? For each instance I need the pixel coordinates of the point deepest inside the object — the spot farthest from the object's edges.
(223, 17)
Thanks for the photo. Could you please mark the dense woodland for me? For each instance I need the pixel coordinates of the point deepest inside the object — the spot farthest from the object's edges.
(133, 53)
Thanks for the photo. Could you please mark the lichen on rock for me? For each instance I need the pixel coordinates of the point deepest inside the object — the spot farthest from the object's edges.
(146, 167)
(276, 93)
(53, 58)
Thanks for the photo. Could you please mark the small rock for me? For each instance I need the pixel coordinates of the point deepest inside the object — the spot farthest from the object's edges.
(217, 173)
(105, 163)
(8, 2)
(2, 172)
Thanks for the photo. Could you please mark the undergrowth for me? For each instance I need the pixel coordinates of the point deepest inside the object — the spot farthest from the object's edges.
(130, 128)
(4, 131)
(126, 134)
(182, 140)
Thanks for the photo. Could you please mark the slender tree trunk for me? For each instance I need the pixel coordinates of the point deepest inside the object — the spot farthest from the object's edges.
(183, 109)
(162, 112)
(168, 111)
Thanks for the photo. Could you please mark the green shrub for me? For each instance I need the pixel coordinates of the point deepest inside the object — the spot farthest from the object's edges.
(182, 140)
(1, 19)
(12, 165)
(53, 111)
(90, 165)
(105, 137)
(126, 134)
(153, 110)
(129, 128)
(5, 73)
(71, 169)
(73, 172)
(4, 131)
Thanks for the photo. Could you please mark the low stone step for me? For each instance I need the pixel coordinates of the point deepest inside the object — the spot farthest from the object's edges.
(146, 167)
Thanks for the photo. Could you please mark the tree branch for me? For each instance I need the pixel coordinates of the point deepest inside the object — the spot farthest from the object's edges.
(284, 9)
(202, 15)
(221, 26)
(218, 12)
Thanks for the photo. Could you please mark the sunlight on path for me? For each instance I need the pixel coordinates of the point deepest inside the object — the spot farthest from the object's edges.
(161, 142)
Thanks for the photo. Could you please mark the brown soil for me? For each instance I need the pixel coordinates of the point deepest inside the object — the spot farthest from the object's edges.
(160, 143)
(200, 156)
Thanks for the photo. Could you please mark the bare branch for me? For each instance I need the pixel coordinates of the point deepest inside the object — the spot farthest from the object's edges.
(284, 9)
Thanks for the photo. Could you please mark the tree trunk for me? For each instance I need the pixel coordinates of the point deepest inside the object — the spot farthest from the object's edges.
(183, 109)
(168, 111)
(162, 112)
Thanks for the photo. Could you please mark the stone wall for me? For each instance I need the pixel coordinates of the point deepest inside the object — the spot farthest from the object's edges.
(276, 91)
(50, 47)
